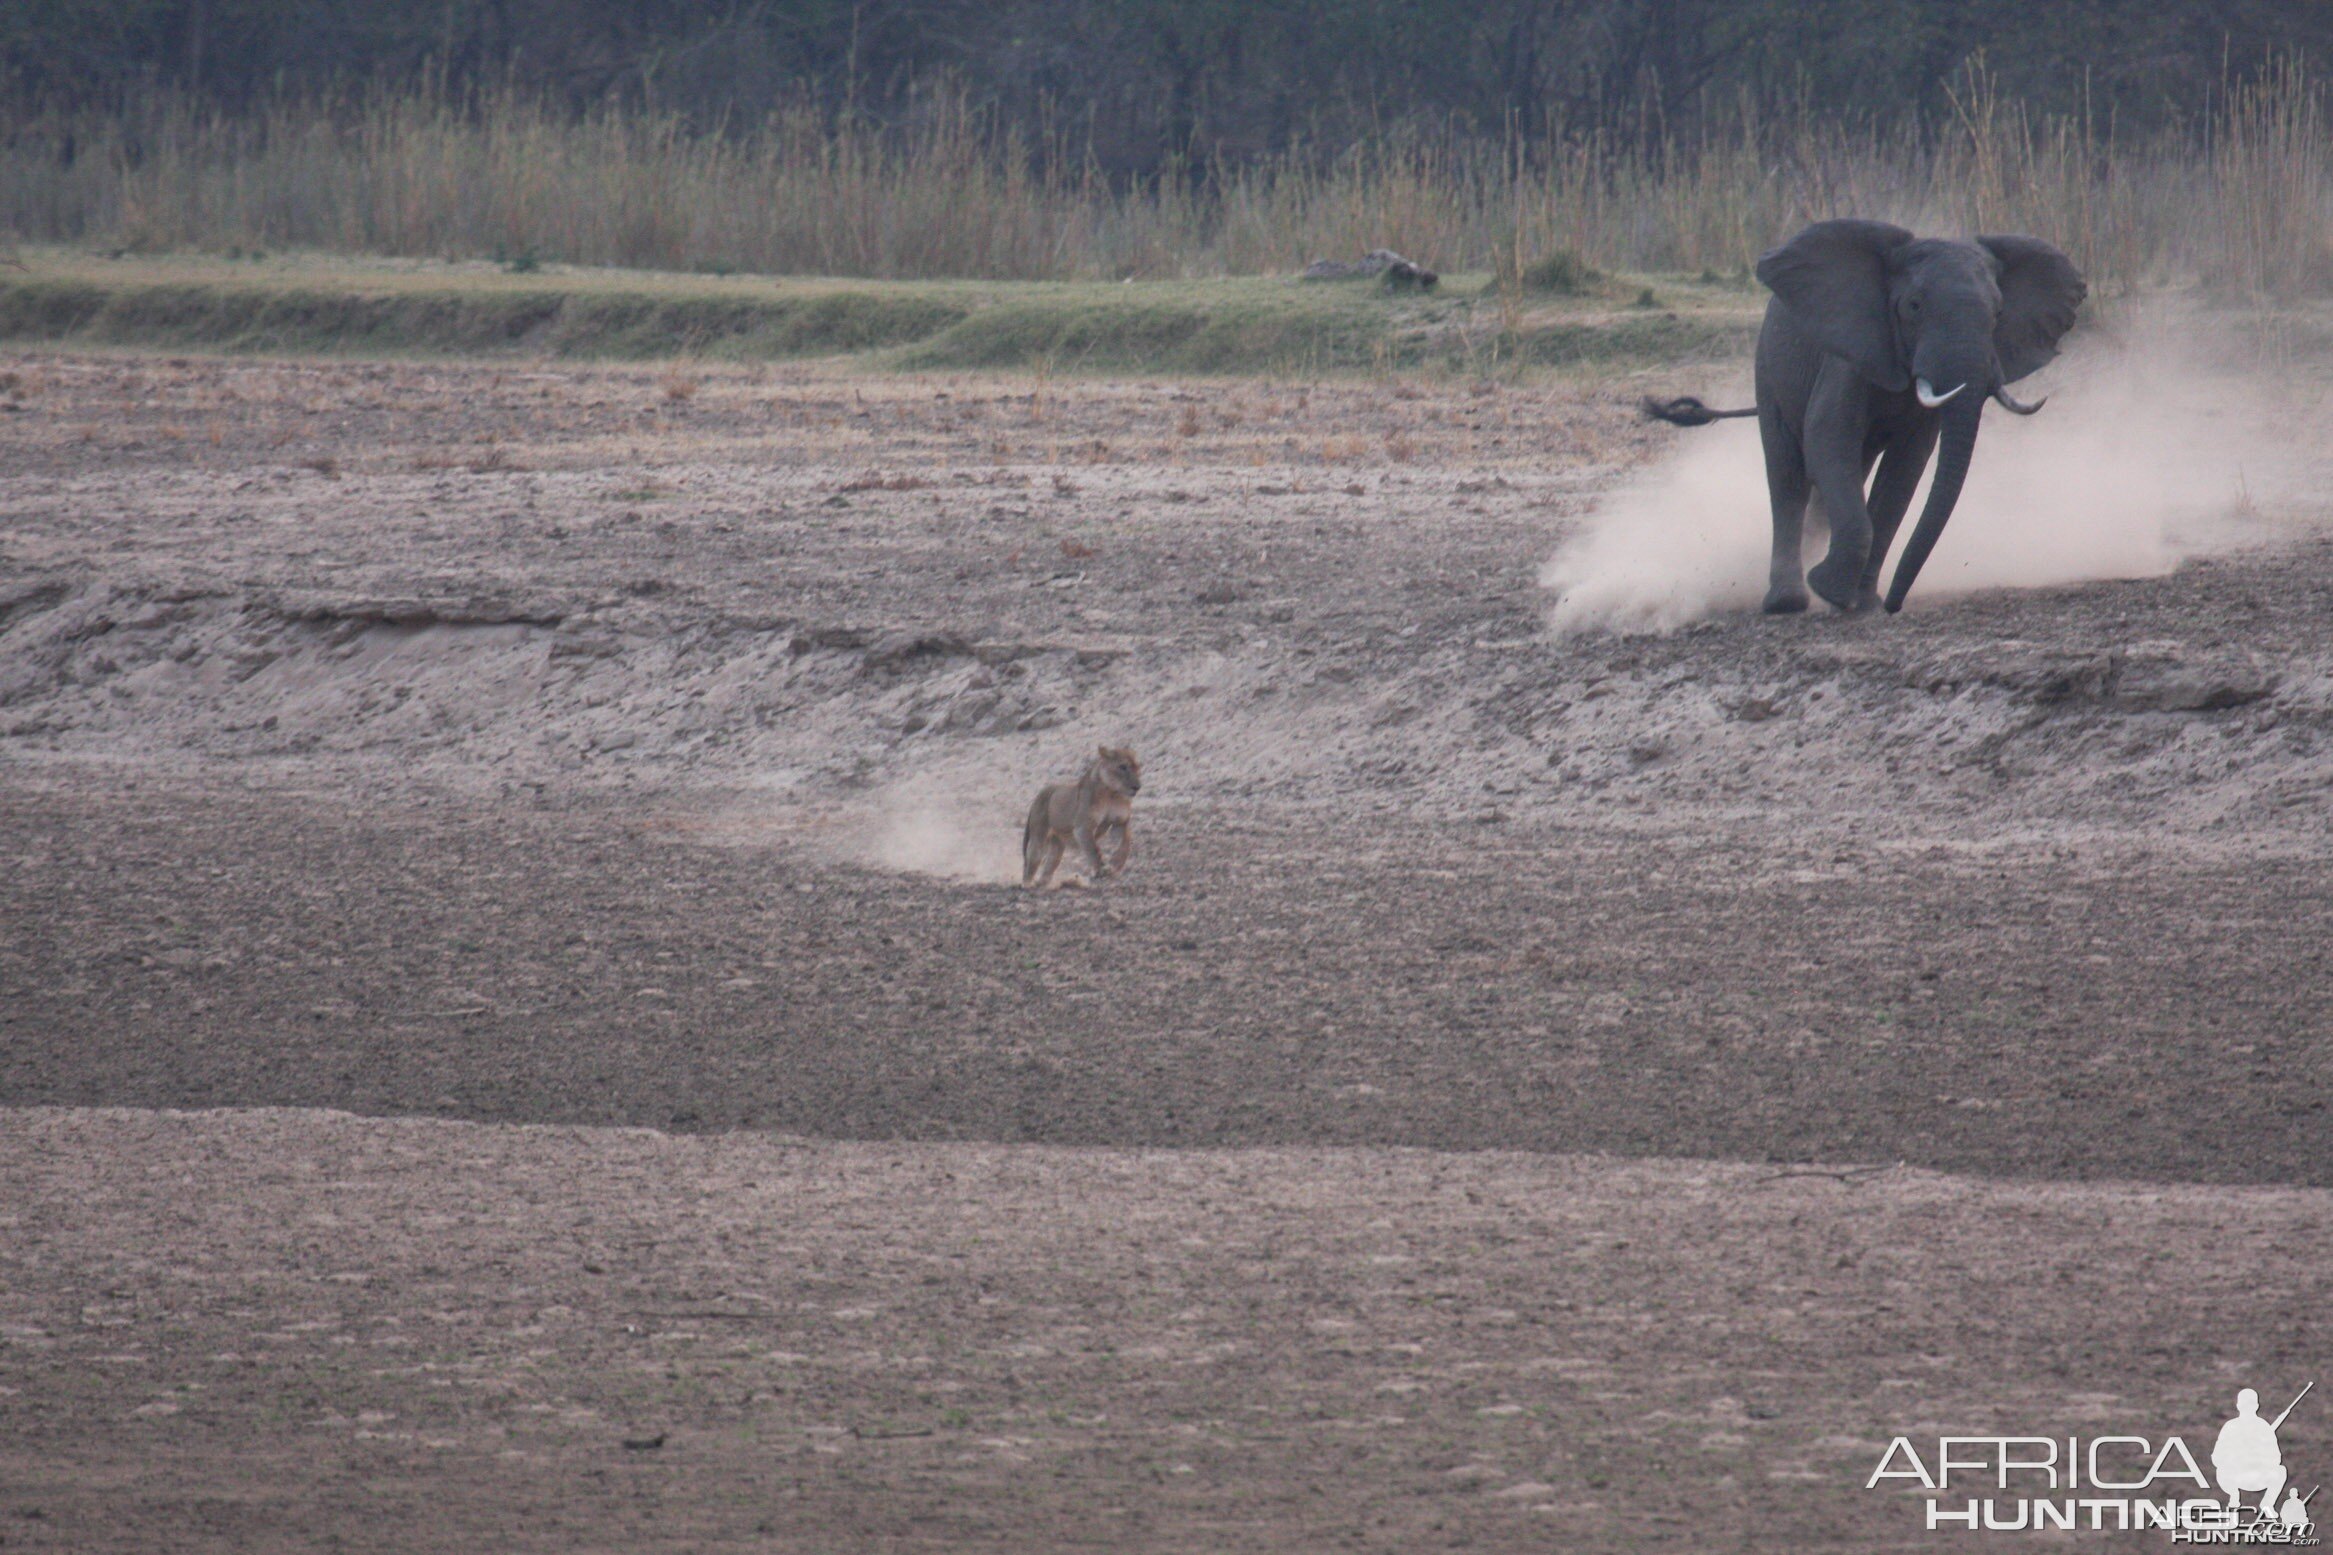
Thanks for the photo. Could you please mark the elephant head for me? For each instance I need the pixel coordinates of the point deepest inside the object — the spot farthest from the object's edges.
(1956, 323)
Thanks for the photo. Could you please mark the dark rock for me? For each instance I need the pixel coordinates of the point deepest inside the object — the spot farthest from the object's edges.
(2036, 673)
(30, 600)
(2159, 680)
(829, 637)
(1381, 264)
(894, 650)
(472, 611)
(2181, 685)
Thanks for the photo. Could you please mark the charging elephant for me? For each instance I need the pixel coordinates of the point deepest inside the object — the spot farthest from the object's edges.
(1876, 347)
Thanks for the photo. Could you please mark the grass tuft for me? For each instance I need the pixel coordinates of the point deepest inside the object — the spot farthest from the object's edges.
(1562, 274)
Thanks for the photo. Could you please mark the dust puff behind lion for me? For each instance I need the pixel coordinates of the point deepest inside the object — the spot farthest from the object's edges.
(1098, 806)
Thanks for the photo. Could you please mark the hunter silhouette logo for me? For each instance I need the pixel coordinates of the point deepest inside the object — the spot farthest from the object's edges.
(2123, 1483)
(2246, 1458)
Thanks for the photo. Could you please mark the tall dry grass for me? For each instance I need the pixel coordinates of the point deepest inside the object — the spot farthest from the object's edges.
(2241, 201)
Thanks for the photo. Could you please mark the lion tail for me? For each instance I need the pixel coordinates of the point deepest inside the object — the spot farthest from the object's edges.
(1033, 836)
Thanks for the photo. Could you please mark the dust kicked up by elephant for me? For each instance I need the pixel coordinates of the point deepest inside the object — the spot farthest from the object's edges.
(1877, 347)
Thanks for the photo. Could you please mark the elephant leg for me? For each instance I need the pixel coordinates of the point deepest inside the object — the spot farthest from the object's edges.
(1900, 469)
(1837, 462)
(1786, 487)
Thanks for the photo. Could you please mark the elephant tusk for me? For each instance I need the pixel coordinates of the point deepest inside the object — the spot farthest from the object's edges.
(1930, 398)
(2016, 407)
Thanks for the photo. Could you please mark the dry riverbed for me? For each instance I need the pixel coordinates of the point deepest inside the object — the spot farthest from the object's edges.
(578, 807)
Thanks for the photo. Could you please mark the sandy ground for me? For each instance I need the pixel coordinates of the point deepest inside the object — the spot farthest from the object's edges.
(629, 749)
(274, 1330)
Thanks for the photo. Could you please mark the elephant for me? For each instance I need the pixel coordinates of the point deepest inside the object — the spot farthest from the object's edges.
(1876, 347)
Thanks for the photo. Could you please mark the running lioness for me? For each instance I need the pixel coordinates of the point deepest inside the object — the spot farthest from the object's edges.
(1101, 800)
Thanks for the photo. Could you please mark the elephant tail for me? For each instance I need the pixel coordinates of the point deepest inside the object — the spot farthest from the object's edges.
(1686, 411)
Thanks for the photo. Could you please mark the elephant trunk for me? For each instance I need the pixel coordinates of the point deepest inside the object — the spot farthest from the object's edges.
(1957, 445)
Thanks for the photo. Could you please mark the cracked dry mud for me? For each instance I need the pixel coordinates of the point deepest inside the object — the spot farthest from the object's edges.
(478, 767)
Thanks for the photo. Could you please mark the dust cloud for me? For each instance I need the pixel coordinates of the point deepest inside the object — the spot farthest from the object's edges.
(1682, 540)
(2151, 450)
(926, 827)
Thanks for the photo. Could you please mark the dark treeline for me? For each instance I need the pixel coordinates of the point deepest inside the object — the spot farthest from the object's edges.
(1143, 81)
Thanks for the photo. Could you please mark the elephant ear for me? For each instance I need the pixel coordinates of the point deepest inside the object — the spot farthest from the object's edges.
(2040, 293)
(1833, 277)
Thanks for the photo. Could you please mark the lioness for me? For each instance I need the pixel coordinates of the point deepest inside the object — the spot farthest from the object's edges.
(1100, 800)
